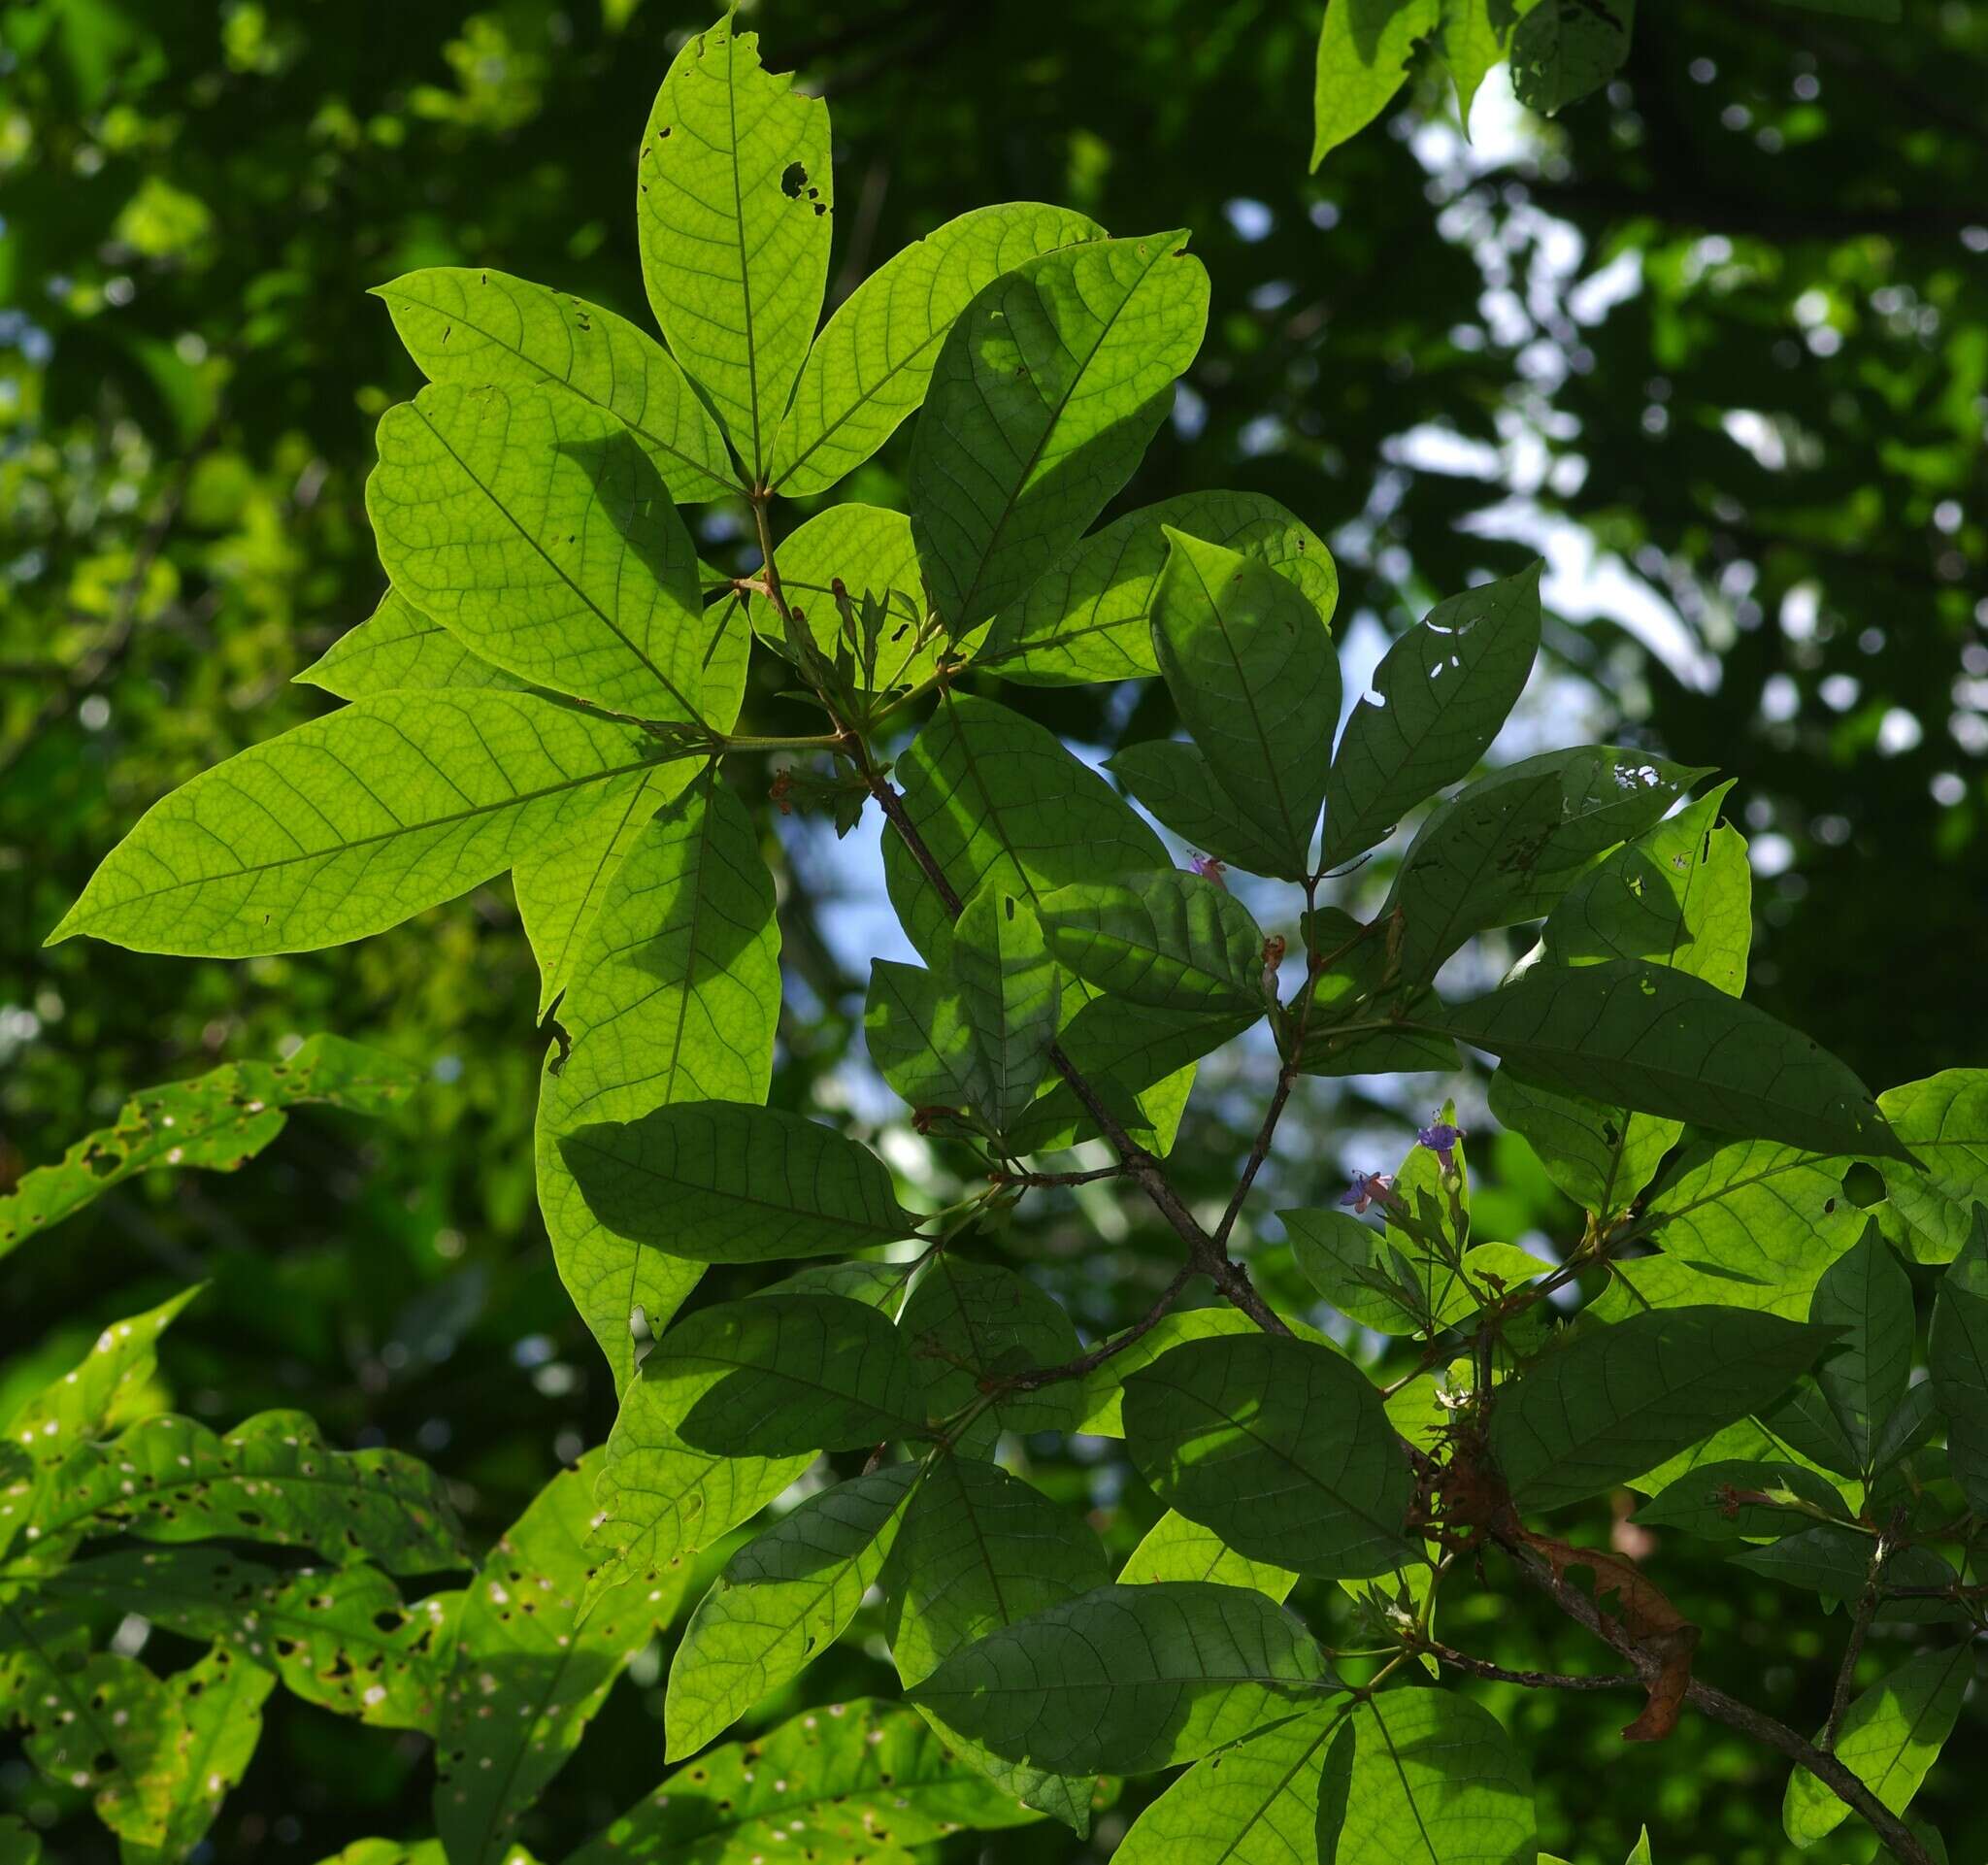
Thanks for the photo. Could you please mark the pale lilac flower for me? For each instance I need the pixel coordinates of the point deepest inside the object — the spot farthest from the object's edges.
(1208, 868)
(1369, 1189)
(1440, 1140)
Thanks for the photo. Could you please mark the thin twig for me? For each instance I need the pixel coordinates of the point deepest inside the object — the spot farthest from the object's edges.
(1860, 1627)
(1038, 1377)
(1531, 1680)
(1042, 1179)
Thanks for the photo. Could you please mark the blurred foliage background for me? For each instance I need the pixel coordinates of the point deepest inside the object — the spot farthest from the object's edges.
(1714, 343)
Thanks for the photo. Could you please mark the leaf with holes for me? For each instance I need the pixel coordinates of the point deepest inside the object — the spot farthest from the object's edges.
(218, 1700)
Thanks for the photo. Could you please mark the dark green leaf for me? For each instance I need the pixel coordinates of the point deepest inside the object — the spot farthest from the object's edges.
(1168, 941)
(1730, 1501)
(1563, 49)
(1009, 991)
(1958, 1357)
(969, 1324)
(1441, 1767)
(1867, 1299)
(1175, 783)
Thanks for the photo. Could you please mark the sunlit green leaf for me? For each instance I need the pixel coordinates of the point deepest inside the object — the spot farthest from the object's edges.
(218, 1700)
(1945, 1120)
(1435, 1764)
(1176, 1548)
(1169, 941)
(970, 1324)
(918, 1035)
(1175, 783)
(1009, 991)
(396, 647)
(1363, 57)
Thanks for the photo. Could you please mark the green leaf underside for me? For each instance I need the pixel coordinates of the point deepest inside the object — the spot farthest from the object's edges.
(1174, 782)
(1664, 1042)
(1620, 1399)
(1281, 1446)
(1943, 1120)
(1252, 671)
(921, 1041)
(717, 1182)
(1439, 697)
(865, 1779)
(870, 366)
(1043, 397)
(463, 324)
(216, 1122)
(1168, 941)
(1128, 1679)
(395, 649)
(1708, 1501)
(732, 217)
(535, 1659)
(532, 524)
(351, 823)
(780, 1601)
(1363, 57)
(968, 1322)
(1176, 1548)
(1867, 1299)
(674, 997)
(1010, 995)
(780, 1375)
(1435, 1780)
(1089, 615)
(1957, 1355)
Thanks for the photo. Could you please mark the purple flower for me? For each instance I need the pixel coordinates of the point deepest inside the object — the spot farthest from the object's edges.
(1208, 869)
(1369, 1189)
(1440, 1140)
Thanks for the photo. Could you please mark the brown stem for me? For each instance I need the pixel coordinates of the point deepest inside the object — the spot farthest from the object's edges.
(1042, 1375)
(1860, 1627)
(1040, 1178)
(1531, 1680)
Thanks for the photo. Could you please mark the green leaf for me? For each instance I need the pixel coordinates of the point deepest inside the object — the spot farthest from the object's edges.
(1639, 1853)
(1175, 783)
(1176, 1548)
(998, 799)
(1043, 397)
(721, 1182)
(1089, 617)
(1890, 1738)
(674, 997)
(865, 1782)
(1505, 848)
(216, 1122)
(559, 888)
(1471, 39)
(918, 1035)
(1103, 1386)
(870, 364)
(1565, 49)
(1363, 57)
(1281, 1446)
(533, 525)
(1255, 1803)
(1366, 1278)
(1663, 1043)
(969, 1323)
(1128, 1679)
(777, 1374)
(1867, 1299)
(92, 1722)
(1169, 941)
(396, 647)
(1617, 1400)
(1957, 1357)
(1436, 701)
(351, 823)
(1251, 669)
(1441, 1767)
(473, 327)
(732, 217)
(218, 1700)
(339, 1637)
(1835, 1562)
(535, 1657)
(273, 1478)
(1943, 1120)
(1009, 992)
(1736, 1501)
(781, 1602)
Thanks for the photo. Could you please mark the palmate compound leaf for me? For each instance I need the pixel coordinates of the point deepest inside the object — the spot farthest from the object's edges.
(397, 647)
(351, 823)
(1044, 395)
(1167, 941)
(1664, 1042)
(980, 1550)
(1506, 847)
(1254, 1804)
(1281, 1446)
(339, 1637)
(1890, 1738)
(1680, 894)
(1438, 1767)
(781, 1602)
(674, 997)
(718, 1182)
(867, 1783)
(1090, 617)
(91, 1720)
(532, 524)
(1128, 1679)
(1435, 704)
(968, 1325)
(778, 1374)
(472, 326)
(1364, 50)
(1867, 1297)
(273, 1478)
(1251, 668)
(1619, 1399)
(536, 1655)
(1176, 1548)
(1010, 994)
(870, 366)
(215, 1122)
(732, 217)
